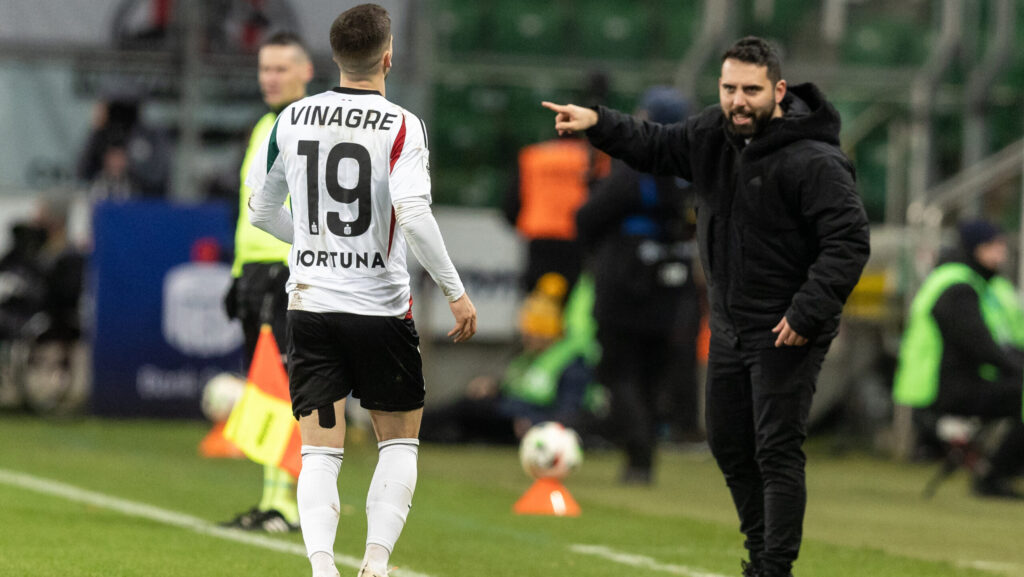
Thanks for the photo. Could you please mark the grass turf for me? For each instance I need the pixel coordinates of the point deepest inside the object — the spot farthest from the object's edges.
(865, 516)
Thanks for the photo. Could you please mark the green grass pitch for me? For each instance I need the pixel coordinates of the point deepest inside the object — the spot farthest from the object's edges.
(865, 516)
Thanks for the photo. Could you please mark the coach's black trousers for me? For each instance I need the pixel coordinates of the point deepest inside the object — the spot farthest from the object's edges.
(758, 402)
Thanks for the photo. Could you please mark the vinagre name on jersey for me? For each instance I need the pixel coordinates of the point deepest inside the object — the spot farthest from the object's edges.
(309, 258)
(340, 116)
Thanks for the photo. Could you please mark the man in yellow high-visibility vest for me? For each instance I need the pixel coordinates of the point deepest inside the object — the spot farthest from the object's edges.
(963, 350)
(261, 264)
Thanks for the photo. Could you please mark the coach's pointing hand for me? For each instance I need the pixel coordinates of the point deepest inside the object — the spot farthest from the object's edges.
(571, 118)
(465, 319)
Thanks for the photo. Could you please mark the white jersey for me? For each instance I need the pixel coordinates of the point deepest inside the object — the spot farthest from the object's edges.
(348, 157)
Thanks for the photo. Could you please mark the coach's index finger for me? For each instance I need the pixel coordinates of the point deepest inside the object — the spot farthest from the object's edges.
(555, 107)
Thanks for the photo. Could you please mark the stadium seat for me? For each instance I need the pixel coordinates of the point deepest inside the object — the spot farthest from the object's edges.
(1005, 126)
(680, 22)
(529, 27)
(870, 160)
(787, 19)
(469, 155)
(460, 25)
(613, 29)
(471, 117)
(885, 41)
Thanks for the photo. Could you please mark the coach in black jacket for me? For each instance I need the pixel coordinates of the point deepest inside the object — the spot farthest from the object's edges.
(783, 238)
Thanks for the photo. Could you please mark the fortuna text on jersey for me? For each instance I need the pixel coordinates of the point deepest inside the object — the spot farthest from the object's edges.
(342, 259)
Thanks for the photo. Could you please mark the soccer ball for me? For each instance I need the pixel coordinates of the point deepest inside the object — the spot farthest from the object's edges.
(220, 395)
(550, 450)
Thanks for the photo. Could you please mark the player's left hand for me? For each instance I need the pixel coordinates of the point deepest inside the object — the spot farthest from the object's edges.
(465, 319)
(787, 336)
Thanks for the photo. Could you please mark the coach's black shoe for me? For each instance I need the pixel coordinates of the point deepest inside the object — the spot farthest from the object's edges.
(636, 476)
(749, 569)
(766, 571)
(997, 487)
(247, 521)
(273, 521)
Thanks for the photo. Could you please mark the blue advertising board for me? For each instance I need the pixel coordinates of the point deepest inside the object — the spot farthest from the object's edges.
(160, 331)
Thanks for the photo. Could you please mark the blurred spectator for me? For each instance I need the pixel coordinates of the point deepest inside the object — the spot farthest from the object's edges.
(963, 351)
(551, 379)
(64, 264)
(257, 295)
(228, 25)
(123, 157)
(551, 184)
(22, 279)
(637, 231)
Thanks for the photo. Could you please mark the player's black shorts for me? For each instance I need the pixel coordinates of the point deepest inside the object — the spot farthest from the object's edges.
(377, 359)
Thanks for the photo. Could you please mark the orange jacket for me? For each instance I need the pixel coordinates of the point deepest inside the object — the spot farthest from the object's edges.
(552, 186)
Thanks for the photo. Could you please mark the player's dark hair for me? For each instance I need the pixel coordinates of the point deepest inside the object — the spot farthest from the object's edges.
(359, 37)
(285, 38)
(754, 50)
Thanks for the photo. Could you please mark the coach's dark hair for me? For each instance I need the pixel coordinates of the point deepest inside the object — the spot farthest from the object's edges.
(754, 50)
(359, 37)
(285, 38)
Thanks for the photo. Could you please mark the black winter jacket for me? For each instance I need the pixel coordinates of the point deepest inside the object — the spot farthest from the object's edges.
(780, 227)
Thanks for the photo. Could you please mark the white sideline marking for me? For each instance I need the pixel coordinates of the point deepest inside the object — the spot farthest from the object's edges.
(640, 561)
(994, 566)
(144, 511)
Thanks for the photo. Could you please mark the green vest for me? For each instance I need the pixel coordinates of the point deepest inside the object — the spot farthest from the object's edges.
(251, 243)
(533, 378)
(917, 375)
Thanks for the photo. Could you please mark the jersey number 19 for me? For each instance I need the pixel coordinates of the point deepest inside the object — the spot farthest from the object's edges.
(359, 193)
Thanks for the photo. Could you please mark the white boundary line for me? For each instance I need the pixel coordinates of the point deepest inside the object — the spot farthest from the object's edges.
(993, 566)
(181, 520)
(639, 561)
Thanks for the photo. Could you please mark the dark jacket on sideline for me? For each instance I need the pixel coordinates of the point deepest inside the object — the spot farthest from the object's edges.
(780, 227)
(967, 341)
(637, 233)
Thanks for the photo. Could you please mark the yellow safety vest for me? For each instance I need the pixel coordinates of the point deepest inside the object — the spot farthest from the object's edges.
(251, 243)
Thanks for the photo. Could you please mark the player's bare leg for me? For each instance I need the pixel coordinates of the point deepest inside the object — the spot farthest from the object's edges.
(394, 481)
(323, 449)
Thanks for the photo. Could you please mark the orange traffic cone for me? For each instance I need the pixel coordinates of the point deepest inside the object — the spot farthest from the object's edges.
(215, 446)
(547, 497)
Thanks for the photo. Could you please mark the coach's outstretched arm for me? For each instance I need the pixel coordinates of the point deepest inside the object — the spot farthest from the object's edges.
(421, 231)
(646, 146)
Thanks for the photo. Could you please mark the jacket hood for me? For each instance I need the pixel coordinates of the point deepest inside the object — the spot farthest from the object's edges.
(959, 255)
(806, 116)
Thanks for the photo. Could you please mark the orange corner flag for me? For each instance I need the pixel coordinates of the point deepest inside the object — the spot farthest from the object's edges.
(262, 424)
(547, 497)
(215, 446)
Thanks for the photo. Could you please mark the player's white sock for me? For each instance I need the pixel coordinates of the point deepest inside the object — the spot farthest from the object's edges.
(323, 565)
(317, 495)
(389, 500)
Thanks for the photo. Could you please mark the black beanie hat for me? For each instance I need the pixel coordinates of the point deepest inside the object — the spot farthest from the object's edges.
(977, 232)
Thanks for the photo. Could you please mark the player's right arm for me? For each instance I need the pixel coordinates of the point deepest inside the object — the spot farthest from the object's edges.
(662, 149)
(269, 186)
(409, 182)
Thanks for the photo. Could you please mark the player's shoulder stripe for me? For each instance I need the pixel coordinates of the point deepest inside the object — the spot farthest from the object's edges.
(399, 145)
(426, 143)
(423, 125)
(272, 150)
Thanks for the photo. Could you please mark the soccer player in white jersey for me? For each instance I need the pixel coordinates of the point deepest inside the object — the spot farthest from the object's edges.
(357, 169)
